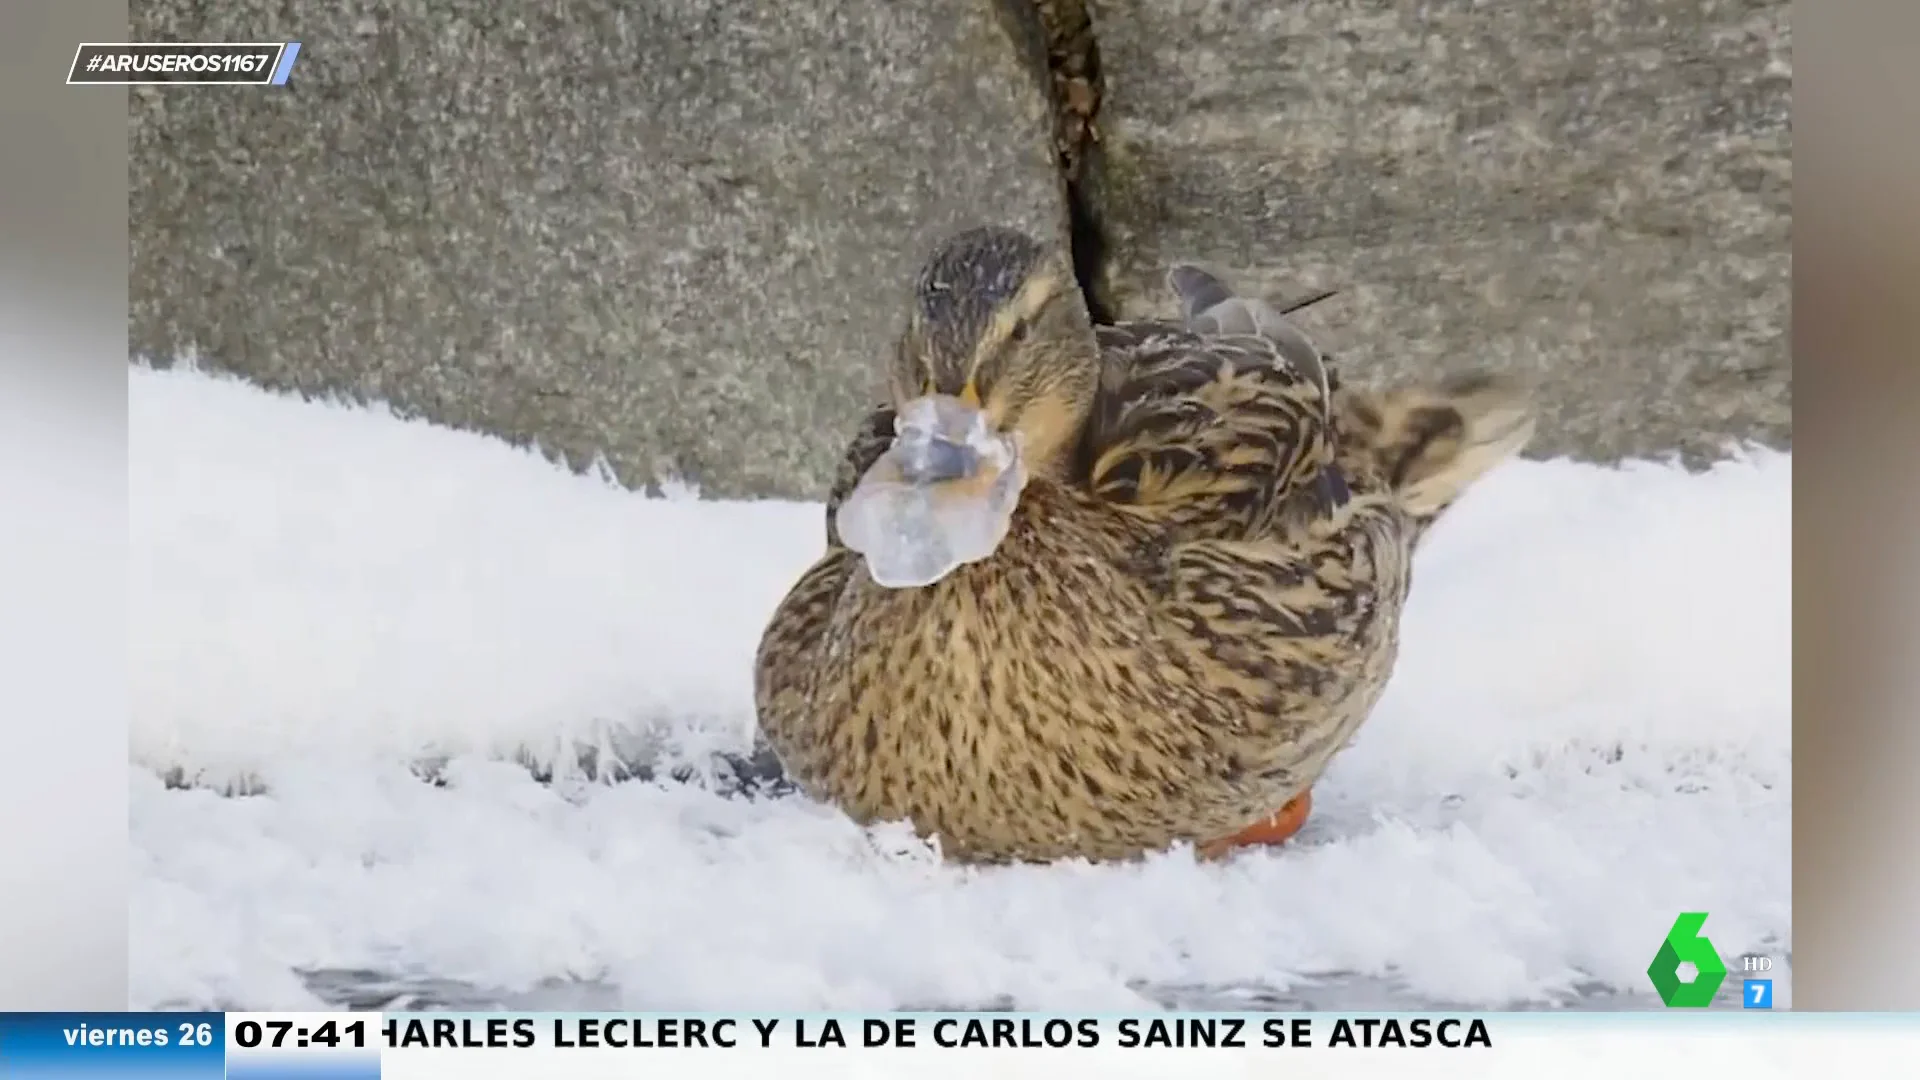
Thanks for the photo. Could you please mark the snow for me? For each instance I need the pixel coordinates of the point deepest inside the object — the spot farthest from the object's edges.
(1588, 733)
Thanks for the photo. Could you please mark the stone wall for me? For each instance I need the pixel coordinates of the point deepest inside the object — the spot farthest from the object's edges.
(677, 233)
(1594, 192)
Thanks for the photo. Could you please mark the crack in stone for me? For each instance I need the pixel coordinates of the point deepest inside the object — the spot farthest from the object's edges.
(1073, 62)
(1074, 88)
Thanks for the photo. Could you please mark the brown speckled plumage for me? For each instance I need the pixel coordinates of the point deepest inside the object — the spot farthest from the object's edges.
(1195, 607)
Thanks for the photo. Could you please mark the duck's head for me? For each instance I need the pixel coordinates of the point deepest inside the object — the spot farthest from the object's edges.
(998, 325)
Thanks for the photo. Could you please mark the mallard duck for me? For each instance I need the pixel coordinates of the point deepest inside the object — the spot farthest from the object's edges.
(1196, 602)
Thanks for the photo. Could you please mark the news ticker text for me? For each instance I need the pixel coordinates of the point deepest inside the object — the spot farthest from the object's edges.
(219, 1032)
(183, 63)
(714, 1045)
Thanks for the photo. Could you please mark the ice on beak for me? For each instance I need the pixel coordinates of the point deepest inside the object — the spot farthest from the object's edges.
(942, 438)
(941, 496)
(934, 459)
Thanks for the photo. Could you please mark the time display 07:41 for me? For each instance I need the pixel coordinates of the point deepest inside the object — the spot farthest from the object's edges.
(249, 1034)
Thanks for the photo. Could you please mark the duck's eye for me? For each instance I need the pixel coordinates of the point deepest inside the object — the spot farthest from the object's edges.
(1019, 332)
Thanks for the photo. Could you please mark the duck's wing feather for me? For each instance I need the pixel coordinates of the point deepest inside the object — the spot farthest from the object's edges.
(1211, 307)
(1218, 435)
(1426, 442)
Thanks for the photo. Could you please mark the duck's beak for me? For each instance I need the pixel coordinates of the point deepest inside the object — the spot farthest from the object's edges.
(938, 438)
(938, 460)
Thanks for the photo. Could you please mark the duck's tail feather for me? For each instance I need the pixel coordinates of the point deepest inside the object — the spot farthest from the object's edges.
(1432, 442)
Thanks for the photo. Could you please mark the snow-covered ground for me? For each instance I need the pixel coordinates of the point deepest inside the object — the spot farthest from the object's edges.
(1589, 733)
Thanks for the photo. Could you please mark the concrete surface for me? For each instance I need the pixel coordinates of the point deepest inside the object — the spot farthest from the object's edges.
(678, 233)
(1595, 192)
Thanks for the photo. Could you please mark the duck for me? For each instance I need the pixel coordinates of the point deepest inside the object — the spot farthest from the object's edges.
(1197, 599)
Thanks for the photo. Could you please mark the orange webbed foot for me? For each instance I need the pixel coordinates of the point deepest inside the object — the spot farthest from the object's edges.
(1277, 829)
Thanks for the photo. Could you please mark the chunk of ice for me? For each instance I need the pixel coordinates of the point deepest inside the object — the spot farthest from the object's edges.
(942, 495)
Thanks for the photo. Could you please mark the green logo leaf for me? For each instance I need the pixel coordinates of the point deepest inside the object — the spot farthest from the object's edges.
(1686, 944)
